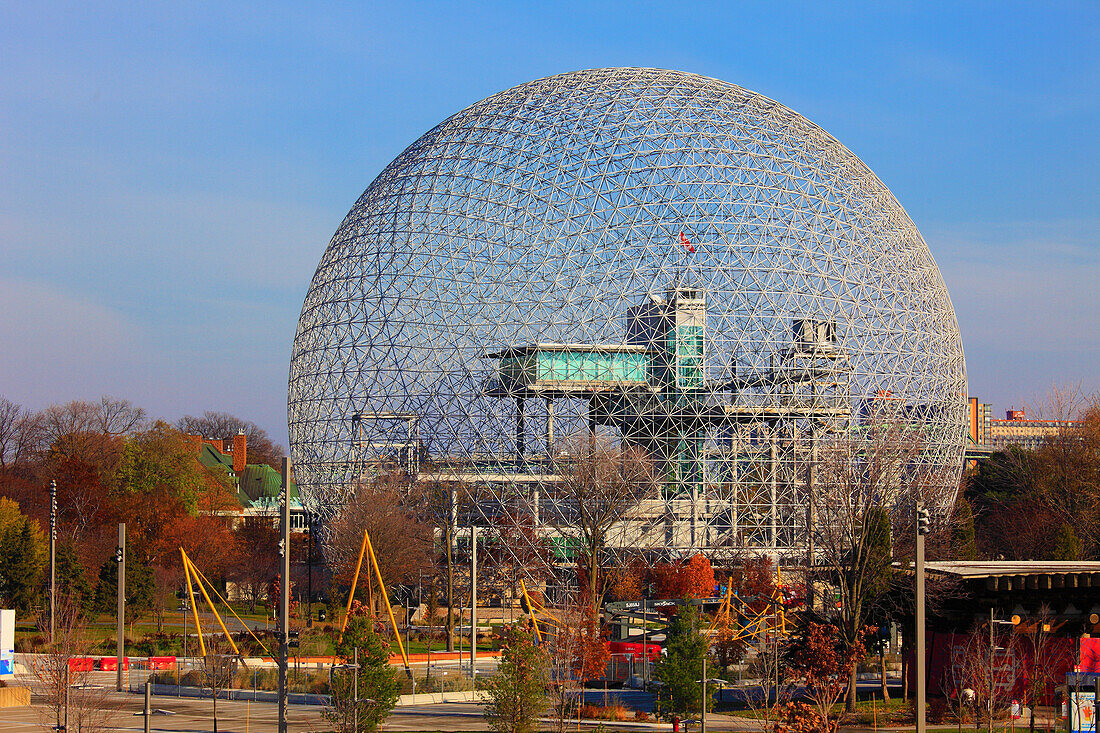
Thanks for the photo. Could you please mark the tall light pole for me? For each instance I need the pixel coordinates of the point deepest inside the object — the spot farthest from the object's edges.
(309, 570)
(53, 557)
(284, 589)
(703, 698)
(120, 558)
(473, 602)
(922, 530)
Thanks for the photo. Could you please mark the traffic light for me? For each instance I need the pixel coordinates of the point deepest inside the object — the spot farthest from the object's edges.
(923, 521)
(282, 548)
(118, 554)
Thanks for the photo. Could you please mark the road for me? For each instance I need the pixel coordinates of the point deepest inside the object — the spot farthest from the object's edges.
(195, 716)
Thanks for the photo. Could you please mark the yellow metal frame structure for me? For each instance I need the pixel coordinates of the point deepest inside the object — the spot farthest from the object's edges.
(366, 549)
(535, 609)
(732, 615)
(195, 577)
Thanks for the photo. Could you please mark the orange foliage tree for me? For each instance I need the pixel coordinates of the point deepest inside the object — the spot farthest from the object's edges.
(820, 658)
(678, 579)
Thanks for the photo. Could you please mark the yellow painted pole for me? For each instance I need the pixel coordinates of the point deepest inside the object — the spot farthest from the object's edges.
(194, 608)
(534, 619)
(386, 598)
(354, 582)
(210, 603)
(779, 600)
(219, 595)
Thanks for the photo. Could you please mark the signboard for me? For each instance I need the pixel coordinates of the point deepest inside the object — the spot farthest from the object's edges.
(7, 642)
(1090, 655)
(1082, 712)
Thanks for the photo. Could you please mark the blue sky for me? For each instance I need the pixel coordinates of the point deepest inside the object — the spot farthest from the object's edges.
(170, 173)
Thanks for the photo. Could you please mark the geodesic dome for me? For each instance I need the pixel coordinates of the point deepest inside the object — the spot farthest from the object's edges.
(669, 260)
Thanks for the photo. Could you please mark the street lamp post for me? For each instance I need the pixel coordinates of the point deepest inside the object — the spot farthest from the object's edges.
(922, 530)
(284, 590)
(992, 648)
(703, 699)
(120, 558)
(309, 570)
(53, 558)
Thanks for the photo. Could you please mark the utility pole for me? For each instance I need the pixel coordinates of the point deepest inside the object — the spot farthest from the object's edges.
(922, 530)
(53, 557)
(284, 589)
(473, 602)
(120, 558)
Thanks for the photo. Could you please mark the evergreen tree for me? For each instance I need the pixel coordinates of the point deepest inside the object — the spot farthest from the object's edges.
(963, 540)
(71, 579)
(23, 558)
(680, 669)
(1066, 546)
(140, 588)
(378, 682)
(517, 692)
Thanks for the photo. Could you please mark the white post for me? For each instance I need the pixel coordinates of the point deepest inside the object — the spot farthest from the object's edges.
(473, 602)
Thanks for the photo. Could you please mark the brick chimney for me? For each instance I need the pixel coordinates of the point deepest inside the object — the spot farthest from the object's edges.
(240, 452)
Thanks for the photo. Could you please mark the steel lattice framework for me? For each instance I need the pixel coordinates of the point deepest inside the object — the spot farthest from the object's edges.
(524, 272)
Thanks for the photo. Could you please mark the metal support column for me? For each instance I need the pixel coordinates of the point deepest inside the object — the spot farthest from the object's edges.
(549, 427)
(773, 495)
(521, 437)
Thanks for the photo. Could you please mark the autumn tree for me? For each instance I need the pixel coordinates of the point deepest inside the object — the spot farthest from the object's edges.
(160, 482)
(402, 543)
(599, 484)
(90, 430)
(69, 697)
(255, 565)
(563, 648)
(859, 477)
(691, 578)
(440, 501)
(215, 425)
(21, 435)
(820, 657)
(1032, 504)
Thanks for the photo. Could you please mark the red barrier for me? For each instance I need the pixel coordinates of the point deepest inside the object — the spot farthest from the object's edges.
(110, 664)
(634, 649)
(81, 664)
(162, 662)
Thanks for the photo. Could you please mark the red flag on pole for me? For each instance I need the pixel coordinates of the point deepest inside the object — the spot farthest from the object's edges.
(687, 245)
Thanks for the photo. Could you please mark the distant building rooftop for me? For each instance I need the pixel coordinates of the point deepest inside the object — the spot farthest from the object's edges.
(1001, 568)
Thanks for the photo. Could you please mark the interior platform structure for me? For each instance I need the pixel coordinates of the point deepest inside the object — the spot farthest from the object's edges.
(733, 455)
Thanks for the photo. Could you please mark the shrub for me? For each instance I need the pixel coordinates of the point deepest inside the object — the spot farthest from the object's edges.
(798, 717)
